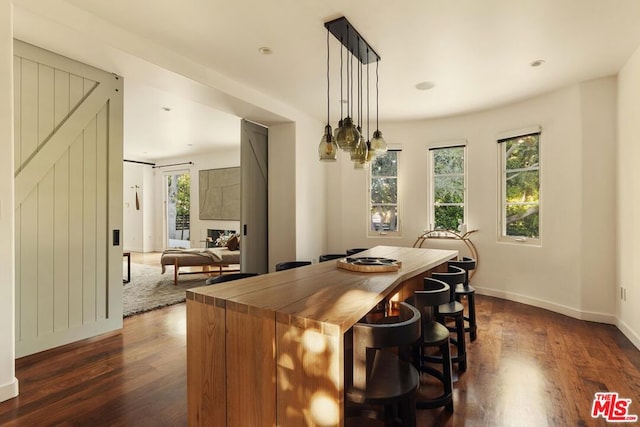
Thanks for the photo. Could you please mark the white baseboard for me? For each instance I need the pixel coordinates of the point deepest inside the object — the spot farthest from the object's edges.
(9, 391)
(629, 333)
(590, 316)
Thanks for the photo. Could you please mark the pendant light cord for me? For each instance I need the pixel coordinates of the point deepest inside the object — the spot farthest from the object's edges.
(341, 75)
(348, 83)
(360, 85)
(377, 95)
(368, 97)
(328, 82)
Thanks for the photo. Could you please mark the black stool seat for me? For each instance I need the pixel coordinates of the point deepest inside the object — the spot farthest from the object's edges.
(228, 278)
(435, 333)
(329, 257)
(451, 308)
(465, 290)
(354, 251)
(391, 380)
(291, 264)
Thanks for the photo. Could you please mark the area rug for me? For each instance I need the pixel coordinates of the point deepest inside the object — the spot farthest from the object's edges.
(149, 289)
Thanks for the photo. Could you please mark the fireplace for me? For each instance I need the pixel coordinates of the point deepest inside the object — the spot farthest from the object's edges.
(214, 234)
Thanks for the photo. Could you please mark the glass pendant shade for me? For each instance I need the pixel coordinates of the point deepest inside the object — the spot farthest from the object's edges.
(348, 136)
(359, 152)
(360, 165)
(378, 143)
(371, 153)
(328, 149)
(337, 129)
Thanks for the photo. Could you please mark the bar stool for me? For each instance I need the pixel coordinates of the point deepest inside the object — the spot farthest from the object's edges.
(434, 334)
(291, 264)
(228, 278)
(382, 377)
(329, 257)
(355, 251)
(465, 290)
(454, 309)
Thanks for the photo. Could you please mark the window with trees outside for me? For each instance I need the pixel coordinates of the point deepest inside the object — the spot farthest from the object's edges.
(521, 186)
(383, 194)
(448, 190)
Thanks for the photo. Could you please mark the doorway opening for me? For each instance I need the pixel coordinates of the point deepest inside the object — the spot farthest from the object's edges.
(178, 203)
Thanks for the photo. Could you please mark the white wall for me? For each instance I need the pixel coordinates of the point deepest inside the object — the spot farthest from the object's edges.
(148, 200)
(8, 381)
(132, 227)
(282, 194)
(599, 115)
(311, 191)
(552, 275)
(138, 224)
(628, 214)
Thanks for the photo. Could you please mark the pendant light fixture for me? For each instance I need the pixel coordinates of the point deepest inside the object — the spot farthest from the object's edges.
(328, 150)
(349, 135)
(359, 152)
(342, 100)
(378, 144)
(371, 154)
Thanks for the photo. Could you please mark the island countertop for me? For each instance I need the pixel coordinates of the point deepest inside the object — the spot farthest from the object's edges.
(322, 292)
(269, 350)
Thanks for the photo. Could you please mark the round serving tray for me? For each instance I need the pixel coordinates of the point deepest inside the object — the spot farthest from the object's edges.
(369, 264)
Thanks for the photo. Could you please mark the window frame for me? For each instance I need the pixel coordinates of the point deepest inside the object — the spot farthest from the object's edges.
(431, 198)
(502, 186)
(386, 233)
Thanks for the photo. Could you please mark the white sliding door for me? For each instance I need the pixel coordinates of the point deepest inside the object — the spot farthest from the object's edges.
(68, 191)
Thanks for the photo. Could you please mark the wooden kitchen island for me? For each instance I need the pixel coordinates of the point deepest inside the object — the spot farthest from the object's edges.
(270, 350)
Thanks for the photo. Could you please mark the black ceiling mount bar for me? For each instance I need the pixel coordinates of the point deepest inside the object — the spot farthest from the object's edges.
(350, 38)
(139, 162)
(173, 164)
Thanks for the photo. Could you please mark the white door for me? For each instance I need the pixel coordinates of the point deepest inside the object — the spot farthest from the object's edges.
(177, 224)
(68, 190)
(254, 243)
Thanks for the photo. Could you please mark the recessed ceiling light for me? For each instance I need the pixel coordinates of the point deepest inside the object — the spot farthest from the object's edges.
(425, 85)
(265, 50)
(166, 108)
(537, 63)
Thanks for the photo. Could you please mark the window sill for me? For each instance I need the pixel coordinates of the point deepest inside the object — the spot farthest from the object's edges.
(520, 241)
(384, 234)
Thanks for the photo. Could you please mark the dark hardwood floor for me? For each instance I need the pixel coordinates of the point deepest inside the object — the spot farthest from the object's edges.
(528, 367)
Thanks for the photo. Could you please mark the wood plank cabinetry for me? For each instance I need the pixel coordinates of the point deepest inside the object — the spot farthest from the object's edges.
(270, 350)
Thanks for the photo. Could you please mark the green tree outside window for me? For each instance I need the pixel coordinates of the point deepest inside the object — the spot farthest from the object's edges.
(383, 216)
(448, 187)
(521, 186)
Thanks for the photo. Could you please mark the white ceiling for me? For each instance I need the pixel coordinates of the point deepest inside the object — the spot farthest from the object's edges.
(477, 53)
(188, 128)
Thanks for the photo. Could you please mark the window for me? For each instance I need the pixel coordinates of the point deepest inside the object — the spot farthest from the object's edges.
(520, 217)
(448, 190)
(383, 194)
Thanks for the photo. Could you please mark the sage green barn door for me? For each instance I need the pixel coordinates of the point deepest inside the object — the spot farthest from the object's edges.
(254, 221)
(68, 198)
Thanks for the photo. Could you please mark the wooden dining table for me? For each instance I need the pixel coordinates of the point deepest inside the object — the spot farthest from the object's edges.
(272, 350)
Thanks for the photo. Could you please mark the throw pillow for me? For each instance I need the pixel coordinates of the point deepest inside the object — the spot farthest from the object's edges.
(233, 243)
